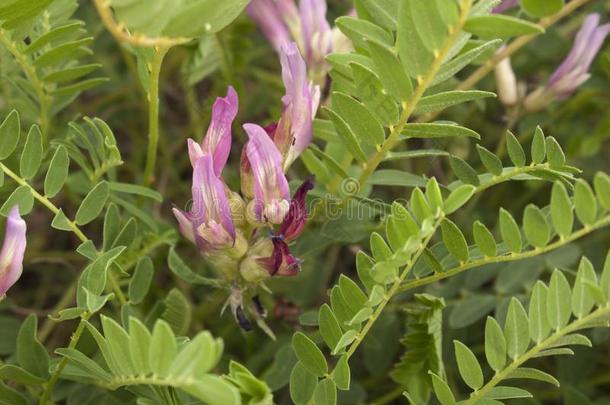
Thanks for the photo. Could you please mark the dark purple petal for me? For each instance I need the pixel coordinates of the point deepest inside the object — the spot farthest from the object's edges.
(281, 262)
(296, 218)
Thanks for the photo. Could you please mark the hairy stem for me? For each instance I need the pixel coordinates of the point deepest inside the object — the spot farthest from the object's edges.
(48, 389)
(578, 324)
(603, 222)
(153, 114)
(409, 106)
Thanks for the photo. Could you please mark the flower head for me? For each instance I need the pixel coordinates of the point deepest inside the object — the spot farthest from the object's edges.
(217, 140)
(574, 70)
(13, 250)
(271, 193)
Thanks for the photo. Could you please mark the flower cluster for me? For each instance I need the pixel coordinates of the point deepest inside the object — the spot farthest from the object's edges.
(248, 234)
(13, 249)
(282, 22)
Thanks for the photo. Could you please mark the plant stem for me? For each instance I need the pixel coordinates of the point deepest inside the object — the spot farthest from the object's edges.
(64, 361)
(501, 375)
(153, 113)
(604, 221)
(409, 106)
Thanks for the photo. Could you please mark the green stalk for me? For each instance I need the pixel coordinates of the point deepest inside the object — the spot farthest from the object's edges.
(153, 113)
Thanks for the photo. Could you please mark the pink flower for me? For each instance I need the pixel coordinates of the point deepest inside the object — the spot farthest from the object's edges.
(293, 133)
(574, 70)
(13, 250)
(271, 192)
(217, 140)
(209, 223)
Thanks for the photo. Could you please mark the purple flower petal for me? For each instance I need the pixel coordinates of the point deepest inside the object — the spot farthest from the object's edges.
(317, 35)
(13, 250)
(294, 132)
(281, 262)
(217, 141)
(268, 16)
(271, 192)
(211, 214)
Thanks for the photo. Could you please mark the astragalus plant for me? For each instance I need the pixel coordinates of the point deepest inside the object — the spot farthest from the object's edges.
(301, 201)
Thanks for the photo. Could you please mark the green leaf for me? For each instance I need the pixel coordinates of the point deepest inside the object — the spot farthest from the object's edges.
(214, 390)
(346, 339)
(135, 190)
(538, 320)
(141, 280)
(515, 151)
(9, 396)
(118, 344)
(341, 375)
(365, 126)
(585, 202)
(434, 195)
(464, 171)
(391, 177)
(454, 240)
(562, 215)
(325, 393)
(500, 26)
(495, 345)
(469, 367)
(601, 182)
(178, 312)
(441, 101)
(78, 87)
(554, 153)
(179, 268)
(76, 49)
(10, 372)
(139, 345)
(422, 31)
(381, 12)
(558, 304)
(57, 172)
(359, 30)
(302, 384)
(205, 16)
(72, 73)
(94, 302)
(484, 239)
(538, 146)
(391, 72)
(503, 392)
(21, 196)
(31, 354)
(441, 390)
(352, 293)
(32, 153)
(369, 89)
(309, 354)
(491, 162)
(541, 8)
(510, 231)
(458, 197)
(420, 206)
(452, 67)
(436, 130)
(582, 300)
(532, 374)
(163, 349)
(93, 204)
(10, 131)
(605, 278)
(516, 329)
(347, 135)
(537, 230)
